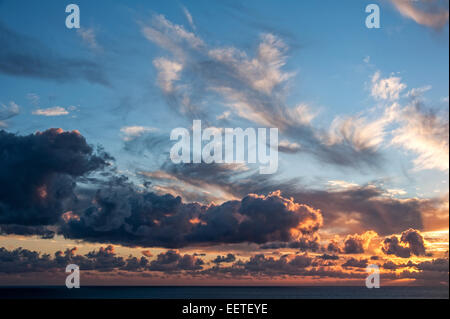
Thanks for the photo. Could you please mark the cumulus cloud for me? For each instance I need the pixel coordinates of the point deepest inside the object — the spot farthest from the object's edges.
(105, 259)
(126, 216)
(346, 206)
(172, 261)
(430, 13)
(357, 244)
(38, 174)
(410, 243)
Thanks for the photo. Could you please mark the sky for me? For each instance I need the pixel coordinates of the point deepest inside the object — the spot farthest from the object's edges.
(85, 121)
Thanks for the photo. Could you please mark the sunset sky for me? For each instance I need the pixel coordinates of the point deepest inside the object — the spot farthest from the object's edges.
(85, 122)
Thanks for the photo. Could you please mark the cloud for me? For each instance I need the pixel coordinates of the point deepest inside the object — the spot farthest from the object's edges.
(418, 92)
(355, 263)
(347, 207)
(52, 111)
(147, 253)
(38, 174)
(7, 112)
(359, 132)
(288, 147)
(89, 38)
(27, 57)
(439, 264)
(224, 259)
(45, 232)
(424, 133)
(189, 17)
(132, 132)
(168, 72)
(252, 85)
(33, 98)
(410, 243)
(269, 266)
(430, 13)
(357, 244)
(126, 216)
(387, 88)
(172, 261)
(328, 257)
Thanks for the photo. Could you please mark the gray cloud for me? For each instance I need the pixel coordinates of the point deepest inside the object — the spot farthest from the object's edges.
(22, 55)
(38, 174)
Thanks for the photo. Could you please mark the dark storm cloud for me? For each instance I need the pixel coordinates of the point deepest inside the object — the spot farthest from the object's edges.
(22, 55)
(42, 231)
(38, 174)
(126, 216)
(410, 243)
(369, 206)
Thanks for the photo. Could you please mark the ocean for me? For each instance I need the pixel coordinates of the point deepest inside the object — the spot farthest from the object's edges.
(202, 292)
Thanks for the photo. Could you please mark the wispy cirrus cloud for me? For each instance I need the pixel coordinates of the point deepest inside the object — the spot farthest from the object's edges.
(252, 85)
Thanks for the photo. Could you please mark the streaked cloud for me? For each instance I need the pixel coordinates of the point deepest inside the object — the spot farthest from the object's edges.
(52, 111)
(132, 132)
(189, 17)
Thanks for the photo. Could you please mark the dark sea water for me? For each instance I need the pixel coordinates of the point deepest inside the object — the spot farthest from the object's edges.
(187, 292)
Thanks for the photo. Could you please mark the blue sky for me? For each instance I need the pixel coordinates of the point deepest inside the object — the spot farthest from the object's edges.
(327, 40)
